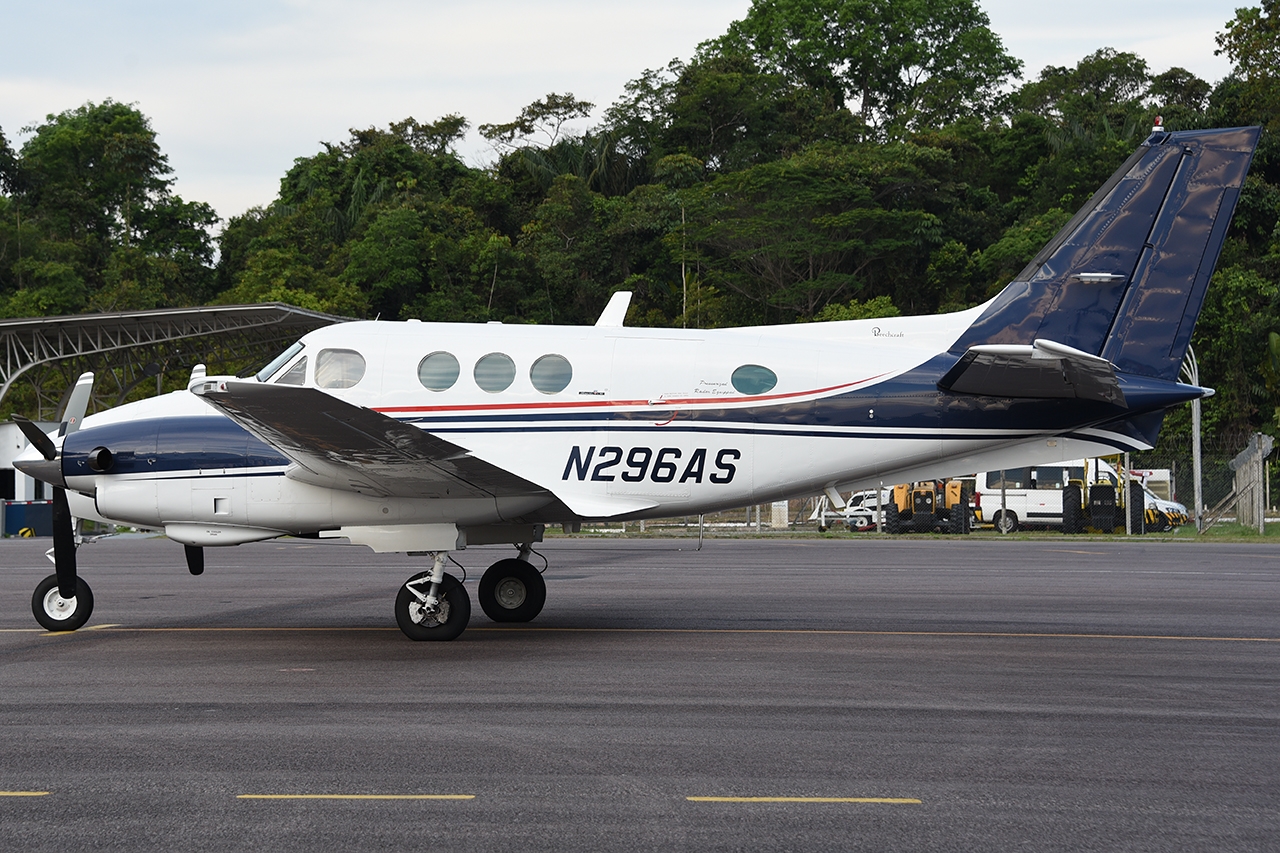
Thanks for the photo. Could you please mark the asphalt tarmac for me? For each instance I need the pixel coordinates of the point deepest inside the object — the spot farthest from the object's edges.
(911, 694)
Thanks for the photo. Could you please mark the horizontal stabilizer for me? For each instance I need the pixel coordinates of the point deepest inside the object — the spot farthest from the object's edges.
(1042, 370)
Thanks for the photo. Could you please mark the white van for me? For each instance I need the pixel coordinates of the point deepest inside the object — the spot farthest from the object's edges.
(1033, 495)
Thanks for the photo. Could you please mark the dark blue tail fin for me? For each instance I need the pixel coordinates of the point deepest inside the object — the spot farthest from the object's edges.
(1126, 277)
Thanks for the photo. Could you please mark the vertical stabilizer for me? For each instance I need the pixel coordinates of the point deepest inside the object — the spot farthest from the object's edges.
(1154, 323)
(1126, 277)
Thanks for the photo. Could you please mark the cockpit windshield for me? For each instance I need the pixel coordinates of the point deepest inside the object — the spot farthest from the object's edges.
(278, 362)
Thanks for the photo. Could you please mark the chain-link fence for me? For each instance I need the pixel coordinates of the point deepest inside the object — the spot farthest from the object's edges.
(1217, 478)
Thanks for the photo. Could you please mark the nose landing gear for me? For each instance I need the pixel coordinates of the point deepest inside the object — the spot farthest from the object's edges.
(433, 605)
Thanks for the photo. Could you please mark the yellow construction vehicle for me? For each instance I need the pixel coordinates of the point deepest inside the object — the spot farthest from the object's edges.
(929, 505)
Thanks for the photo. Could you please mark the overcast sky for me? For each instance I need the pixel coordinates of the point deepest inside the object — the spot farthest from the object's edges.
(239, 88)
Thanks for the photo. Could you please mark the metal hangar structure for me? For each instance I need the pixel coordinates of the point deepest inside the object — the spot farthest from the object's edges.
(125, 349)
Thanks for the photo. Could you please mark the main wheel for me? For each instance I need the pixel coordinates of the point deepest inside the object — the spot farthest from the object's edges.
(512, 591)
(55, 613)
(1006, 522)
(446, 623)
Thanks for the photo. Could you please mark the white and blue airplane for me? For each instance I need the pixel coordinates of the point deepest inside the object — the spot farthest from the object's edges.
(430, 437)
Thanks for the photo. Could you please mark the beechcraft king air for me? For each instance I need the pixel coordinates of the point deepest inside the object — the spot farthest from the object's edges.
(429, 437)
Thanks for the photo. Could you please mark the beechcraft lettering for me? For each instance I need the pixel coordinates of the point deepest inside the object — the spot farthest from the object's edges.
(667, 461)
(431, 438)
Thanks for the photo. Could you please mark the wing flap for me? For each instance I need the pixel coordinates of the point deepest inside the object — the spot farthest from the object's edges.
(339, 445)
(1043, 370)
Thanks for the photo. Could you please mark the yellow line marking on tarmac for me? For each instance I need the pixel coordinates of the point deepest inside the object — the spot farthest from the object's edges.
(1065, 551)
(837, 632)
(24, 793)
(891, 800)
(820, 632)
(355, 796)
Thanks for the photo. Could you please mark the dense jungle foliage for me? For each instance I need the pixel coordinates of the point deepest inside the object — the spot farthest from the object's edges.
(822, 159)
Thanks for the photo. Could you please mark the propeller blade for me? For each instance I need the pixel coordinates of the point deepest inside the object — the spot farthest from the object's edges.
(64, 545)
(77, 404)
(37, 437)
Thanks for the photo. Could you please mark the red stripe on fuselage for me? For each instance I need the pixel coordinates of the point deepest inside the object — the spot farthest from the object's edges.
(597, 404)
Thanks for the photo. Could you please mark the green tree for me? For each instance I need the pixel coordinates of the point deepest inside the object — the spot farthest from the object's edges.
(795, 235)
(1251, 40)
(95, 221)
(544, 117)
(899, 66)
(1241, 309)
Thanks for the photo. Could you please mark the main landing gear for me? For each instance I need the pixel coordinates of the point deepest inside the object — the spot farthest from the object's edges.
(433, 605)
(512, 590)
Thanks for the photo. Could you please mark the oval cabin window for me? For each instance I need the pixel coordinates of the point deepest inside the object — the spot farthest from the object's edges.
(339, 368)
(495, 372)
(438, 371)
(551, 374)
(753, 379)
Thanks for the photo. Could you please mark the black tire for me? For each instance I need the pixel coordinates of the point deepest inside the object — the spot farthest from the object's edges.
(1163, 521)
(960, 514)
(55, 613)
(892, 519)
(1137, 516)
(1072, 510)
(512, 591)
(450, 621)
(1006, 522)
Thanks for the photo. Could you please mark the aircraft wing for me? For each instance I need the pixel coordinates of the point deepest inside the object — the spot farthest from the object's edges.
(1043, 369)
(338, 445)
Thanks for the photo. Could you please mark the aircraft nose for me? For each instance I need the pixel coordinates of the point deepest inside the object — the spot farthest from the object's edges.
(33, 464)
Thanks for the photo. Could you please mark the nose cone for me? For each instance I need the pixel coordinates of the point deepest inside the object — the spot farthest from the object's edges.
(31, 463)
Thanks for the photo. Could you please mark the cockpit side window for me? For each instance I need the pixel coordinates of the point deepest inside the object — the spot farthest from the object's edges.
(339, 368)
(278, 362)
(296, 375)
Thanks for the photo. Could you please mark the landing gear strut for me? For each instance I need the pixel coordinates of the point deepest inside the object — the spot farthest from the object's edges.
(512, 590)
(433, 605)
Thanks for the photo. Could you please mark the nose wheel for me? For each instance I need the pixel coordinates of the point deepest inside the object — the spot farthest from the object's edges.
(55, 613)
(512, 591)
(433, 605)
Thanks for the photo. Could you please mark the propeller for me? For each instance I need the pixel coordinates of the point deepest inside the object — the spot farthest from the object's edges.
(64, 534)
